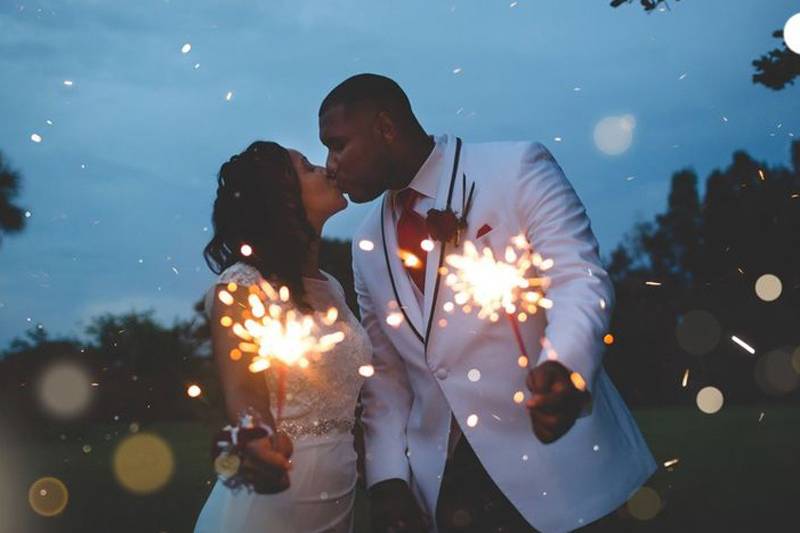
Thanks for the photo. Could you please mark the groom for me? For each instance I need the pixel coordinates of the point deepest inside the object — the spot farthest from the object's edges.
(462, 434)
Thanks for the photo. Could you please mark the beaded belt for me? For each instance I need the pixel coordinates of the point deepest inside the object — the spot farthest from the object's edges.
(316, 428)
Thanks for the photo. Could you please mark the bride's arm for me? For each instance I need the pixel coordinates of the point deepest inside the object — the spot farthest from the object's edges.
(241, 388)
(267, 462)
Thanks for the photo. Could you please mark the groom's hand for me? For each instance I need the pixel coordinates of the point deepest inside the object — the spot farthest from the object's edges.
(266, 463)
(556, 401)
(393, 508)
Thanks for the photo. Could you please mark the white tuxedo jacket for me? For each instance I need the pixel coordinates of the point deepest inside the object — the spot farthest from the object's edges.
(421, 368)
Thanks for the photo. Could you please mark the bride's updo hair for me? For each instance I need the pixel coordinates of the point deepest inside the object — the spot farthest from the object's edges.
(259, 205)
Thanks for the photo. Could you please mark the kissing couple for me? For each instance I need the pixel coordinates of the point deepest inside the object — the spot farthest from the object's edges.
(461, 433)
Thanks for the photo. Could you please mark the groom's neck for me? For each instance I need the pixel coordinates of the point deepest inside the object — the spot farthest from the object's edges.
(411, 158)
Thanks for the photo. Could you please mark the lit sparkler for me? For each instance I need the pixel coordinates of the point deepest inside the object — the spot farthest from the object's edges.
(274, 332)
(491, 285)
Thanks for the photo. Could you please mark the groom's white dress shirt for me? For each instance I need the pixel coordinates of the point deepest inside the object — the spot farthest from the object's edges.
(426, 368)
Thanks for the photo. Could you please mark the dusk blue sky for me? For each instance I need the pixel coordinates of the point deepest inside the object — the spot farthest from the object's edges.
(121, 186)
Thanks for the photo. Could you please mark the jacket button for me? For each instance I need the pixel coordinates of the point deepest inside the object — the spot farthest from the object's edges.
(442, 373)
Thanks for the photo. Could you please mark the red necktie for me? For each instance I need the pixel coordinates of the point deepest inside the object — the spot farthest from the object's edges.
(411, 231)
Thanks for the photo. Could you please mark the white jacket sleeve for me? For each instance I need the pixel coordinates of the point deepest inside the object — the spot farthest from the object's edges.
(557, 227)
(386, 397)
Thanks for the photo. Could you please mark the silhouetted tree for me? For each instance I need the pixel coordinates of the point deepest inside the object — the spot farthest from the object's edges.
(776, 69)
(12, 218)
(708, 256)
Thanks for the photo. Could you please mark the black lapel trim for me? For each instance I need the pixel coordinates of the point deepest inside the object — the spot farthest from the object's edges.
(444, 244)
(391, 275)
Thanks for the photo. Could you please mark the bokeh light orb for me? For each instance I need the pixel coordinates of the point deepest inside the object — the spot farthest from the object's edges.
(48, 496)
(194, 391)
(645, 504)
(143, 463)
(796, 360)
(775, 372)
(710, 400)
(698, 332)
(791, 33)
(769, 287)
(64, 390)
(614, 135)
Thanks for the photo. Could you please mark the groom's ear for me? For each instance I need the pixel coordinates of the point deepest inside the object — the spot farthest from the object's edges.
(385, 127)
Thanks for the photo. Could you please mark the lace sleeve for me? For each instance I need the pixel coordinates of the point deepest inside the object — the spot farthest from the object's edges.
(239, 273)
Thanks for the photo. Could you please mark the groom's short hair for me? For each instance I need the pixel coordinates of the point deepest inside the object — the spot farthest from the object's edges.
(370, 89)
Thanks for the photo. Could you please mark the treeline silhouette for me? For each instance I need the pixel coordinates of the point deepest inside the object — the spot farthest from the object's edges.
(684, 284)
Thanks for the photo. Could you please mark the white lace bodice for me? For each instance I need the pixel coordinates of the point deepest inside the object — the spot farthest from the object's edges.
(320, 399)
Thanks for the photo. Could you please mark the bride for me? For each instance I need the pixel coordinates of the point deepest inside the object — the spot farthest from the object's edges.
(276, 202)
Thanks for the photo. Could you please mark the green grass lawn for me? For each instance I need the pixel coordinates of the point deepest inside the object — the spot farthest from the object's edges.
(734, 474)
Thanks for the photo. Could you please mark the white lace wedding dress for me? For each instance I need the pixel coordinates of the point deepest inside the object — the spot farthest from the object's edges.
(319, 416)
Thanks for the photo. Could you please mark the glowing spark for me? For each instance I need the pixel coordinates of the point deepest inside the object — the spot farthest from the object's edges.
(743, 344)
(283, 293)
(557, 139)
(761, 416)
(578, 381)
(494, 285)
(427, 245)
(186, 48)
(685, 380)
(457, 70)
(671, 462)
(394, 319)
(330, 316)
(228, 96)
(472, 420)
(366, 245)
(35, 137)
(225, 297)
(522, 361)
(519, 396)
(683, 76)
(194, 391)
(608, 339)
(653, 283)
(409, 260)
(367, 371)
(761, 175)
(68, 83)
(246, 250)
(513, 4)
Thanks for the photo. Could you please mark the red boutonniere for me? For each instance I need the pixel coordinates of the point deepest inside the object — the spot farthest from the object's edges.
(445, 225)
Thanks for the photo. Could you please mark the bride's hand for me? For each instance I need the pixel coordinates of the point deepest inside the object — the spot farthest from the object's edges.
(267, 463)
